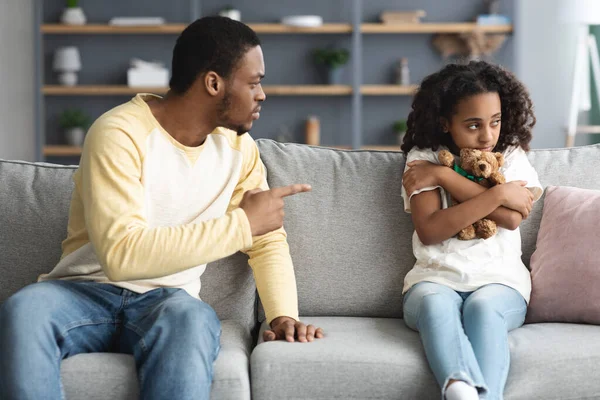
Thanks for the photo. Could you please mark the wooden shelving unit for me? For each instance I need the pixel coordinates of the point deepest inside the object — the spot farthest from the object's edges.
(270, 90)
(60, 151)
(177, 28)
(425, 27)
(428, 27)
(388, 90)
(356, 90)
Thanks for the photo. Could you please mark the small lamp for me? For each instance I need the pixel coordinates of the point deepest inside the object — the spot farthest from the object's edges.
(583, 13)
(67, 62)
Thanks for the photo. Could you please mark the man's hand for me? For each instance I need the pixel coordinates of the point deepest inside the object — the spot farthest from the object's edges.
(264, 208)
(421, 174)
(289, 329)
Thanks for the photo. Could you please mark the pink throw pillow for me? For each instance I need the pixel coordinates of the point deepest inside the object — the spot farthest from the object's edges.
(565, 267)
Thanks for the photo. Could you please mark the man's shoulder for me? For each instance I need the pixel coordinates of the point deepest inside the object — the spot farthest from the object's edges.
(242, 143)
(126, 121)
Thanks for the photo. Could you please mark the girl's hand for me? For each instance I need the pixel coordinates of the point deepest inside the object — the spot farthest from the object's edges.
(517, 197)
(421, 174)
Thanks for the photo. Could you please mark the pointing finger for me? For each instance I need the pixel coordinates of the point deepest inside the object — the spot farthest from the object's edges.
(290, 190)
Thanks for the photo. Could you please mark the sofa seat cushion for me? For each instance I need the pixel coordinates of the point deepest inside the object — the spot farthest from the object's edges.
(359, 358)
(111, 376)
(375, 358)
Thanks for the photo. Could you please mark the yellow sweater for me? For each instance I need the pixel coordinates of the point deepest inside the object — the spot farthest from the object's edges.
(149, 212)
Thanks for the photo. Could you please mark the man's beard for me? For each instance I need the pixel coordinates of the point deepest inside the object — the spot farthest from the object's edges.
(223, 110)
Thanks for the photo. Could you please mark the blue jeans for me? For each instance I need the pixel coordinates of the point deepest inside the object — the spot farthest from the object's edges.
(465, 334)
(173, 337)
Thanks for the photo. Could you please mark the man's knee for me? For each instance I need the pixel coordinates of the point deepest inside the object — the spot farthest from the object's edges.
(32, 303)
(192, 315)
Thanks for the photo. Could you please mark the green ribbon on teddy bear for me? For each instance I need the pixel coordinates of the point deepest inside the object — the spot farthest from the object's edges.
(464, 173)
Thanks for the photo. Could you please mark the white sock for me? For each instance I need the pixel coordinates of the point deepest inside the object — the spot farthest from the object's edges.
(460, 390)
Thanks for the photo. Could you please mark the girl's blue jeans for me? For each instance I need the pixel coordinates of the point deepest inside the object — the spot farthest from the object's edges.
(465, 334)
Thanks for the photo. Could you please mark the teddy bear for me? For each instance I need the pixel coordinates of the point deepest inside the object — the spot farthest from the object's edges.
(482, 167)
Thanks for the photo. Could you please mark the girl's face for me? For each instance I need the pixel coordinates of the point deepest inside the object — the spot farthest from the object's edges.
(476, 122)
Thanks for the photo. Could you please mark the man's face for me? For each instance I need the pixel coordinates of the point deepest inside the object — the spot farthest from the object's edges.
(243, 96)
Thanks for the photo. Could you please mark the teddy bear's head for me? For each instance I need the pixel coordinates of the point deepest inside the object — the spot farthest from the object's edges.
(480, 163)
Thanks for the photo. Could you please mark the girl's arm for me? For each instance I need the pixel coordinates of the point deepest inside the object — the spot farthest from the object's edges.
(423, 174)
(463, 189)
(434, 224)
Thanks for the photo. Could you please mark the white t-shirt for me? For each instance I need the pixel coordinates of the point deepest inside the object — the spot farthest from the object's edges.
(466, 265)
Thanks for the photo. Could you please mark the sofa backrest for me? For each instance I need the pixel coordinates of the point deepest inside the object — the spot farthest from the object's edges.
(351, 240)
(34, 208)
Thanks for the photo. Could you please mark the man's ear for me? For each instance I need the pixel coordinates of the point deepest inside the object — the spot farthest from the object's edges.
(213, 83)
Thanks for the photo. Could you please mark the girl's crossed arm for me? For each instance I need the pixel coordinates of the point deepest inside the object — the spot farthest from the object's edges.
(509, 215)
(434, 224)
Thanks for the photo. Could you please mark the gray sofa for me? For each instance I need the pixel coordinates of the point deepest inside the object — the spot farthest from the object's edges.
(351, 245)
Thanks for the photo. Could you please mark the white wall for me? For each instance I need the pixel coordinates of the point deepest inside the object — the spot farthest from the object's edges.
(544, 57)
(17, 69)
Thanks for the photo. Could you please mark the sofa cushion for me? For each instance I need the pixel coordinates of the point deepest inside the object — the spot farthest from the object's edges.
(565, 267)
(349, 238)
(573, 166)
(359, 358)
(370, 358)
(35, 200)
(109, 376)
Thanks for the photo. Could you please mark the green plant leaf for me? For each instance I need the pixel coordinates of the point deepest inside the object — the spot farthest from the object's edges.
(72, 3)
(400, 126)
(74, 118)
(331, 57)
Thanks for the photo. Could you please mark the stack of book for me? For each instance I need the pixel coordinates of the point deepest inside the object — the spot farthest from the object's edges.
(402, 17)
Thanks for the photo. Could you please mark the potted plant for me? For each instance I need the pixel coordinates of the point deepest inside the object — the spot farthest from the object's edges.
(74, 123)
(73, 14)
(332, 60)
(400, 128)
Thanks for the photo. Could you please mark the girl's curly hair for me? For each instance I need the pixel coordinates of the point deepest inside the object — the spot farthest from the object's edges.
(439, 94)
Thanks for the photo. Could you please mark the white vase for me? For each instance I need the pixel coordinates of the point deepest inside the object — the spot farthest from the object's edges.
(73, 16)
(400, 136)
(235, 15)
(75, 136)
(67, 78)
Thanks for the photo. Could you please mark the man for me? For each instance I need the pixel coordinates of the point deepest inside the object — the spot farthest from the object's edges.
(165, 185)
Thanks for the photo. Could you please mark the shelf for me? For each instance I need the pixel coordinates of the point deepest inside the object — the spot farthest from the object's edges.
(60, 150)
(178, 28)
(270, 90)
(424, 27)
(99, 90)
(388, 90)
(429, 27)
(274, 90)
(307, 90)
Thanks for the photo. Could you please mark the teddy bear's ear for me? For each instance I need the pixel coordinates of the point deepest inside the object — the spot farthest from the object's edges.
(500, 159)
(469, 153)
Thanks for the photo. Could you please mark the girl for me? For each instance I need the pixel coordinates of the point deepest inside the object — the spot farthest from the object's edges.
(464, 296)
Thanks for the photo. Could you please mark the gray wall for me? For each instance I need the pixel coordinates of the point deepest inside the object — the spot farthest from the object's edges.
(17, 122)
(545, 53)
(287, 59)
(540, 55)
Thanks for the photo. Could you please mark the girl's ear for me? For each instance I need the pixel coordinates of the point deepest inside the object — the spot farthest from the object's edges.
(445, 124)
